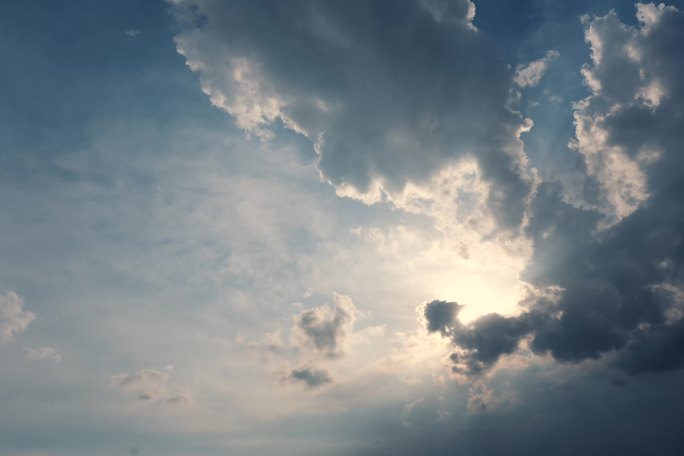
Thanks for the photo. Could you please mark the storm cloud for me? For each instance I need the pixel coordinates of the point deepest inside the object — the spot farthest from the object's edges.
(481, 342)
(614, 261)
(388, 92)
(185, 182)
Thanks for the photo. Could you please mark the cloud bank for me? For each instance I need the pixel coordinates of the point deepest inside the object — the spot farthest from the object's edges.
(387, 92)
(606, 274)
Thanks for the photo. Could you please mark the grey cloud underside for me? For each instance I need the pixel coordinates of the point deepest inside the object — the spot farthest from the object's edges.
(560, 414)
(323, 334)
(312, 377)
(482, 342)
(621, 286)
(388, 91)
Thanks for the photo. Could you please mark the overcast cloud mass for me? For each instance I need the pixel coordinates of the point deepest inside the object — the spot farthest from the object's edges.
(406, 227)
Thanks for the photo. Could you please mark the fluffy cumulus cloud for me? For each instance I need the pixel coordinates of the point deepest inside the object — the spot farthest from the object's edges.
(625, 126)
(606, 276)
(149, 385)
(388, 92)
(13, 318)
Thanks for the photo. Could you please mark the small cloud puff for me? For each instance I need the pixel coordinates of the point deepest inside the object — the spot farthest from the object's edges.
(13, 318)
(311, 376)
(325, 330)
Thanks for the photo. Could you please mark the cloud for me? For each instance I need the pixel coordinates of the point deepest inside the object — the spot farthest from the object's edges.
(628, 123)
(606, 279)
(133, 33)
(149, 385)
(555, 409)
(529, 75)
(440, 316)
(13, 318)
(325, 330)
(480, 343)
(311, 376)
(178, 398)
(384, 90)
(43, 353)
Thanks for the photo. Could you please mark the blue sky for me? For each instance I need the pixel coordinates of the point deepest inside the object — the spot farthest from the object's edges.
(378, 228)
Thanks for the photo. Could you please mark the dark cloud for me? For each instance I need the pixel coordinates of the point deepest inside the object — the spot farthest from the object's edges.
(389, 92)
(618, 382)
(616, 266)
(311, 376)
(441, 316)
(559, 411)
(480, 343)
(485, 340)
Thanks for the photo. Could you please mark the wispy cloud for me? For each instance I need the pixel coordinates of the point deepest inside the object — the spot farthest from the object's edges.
(13, 318)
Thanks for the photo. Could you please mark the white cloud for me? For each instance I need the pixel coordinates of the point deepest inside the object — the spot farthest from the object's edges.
(13, 318)
(529, 75)
(631, 77)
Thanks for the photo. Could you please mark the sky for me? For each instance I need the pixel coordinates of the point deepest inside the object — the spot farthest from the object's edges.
(407, 228)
